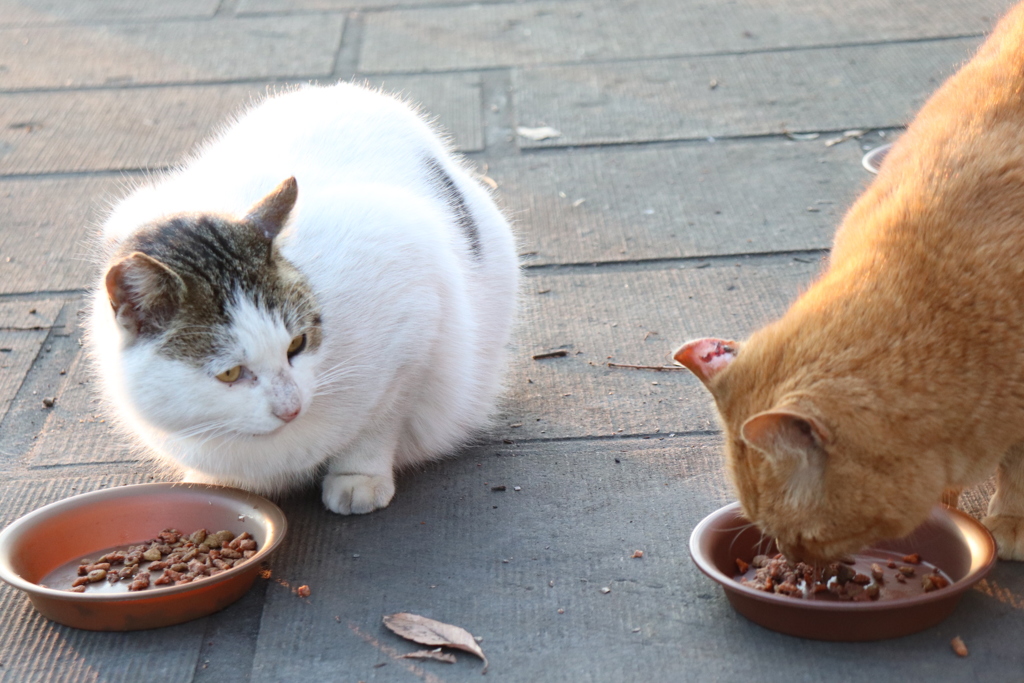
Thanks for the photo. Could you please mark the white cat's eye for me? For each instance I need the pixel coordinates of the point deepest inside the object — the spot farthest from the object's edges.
(297, 345)
(231, 375)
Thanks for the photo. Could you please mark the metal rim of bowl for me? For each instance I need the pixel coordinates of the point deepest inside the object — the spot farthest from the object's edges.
(872, 160)
(278, 527)
(729, 583)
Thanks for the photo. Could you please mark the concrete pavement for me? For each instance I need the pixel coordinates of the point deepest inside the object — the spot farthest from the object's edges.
(685, 195)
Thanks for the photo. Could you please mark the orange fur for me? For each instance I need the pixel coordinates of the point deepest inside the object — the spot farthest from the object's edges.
(900, 372)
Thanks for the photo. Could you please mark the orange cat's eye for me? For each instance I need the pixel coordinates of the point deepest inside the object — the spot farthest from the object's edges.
(231, 375)
(297, 345)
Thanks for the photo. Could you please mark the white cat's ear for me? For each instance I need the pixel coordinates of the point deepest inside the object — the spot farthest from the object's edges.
(143, 292)
(792, 440)
(706, 357)
(270, 214)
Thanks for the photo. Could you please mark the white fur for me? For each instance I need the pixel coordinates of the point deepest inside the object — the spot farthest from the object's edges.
(414, 325)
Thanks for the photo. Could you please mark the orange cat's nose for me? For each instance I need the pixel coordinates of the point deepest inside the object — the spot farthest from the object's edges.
(795, 551)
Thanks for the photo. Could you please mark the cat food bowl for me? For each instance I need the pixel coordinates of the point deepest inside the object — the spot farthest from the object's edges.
(40, 552)
(949, 539)
(872, 161)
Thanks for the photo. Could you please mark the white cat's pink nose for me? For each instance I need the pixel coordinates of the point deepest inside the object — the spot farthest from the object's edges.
(288, 414)
(285, 402)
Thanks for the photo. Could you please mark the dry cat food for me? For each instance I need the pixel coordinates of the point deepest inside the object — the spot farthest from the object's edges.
(181, 558)
(839, 579)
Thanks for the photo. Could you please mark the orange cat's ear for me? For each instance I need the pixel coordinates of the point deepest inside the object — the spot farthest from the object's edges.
(706, 357)
(784, 430)
(794, 442)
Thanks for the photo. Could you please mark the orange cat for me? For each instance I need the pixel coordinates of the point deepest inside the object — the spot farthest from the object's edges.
(900, 372)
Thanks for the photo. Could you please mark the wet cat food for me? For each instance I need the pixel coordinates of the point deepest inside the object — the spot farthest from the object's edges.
(181, 558)
(859, 579)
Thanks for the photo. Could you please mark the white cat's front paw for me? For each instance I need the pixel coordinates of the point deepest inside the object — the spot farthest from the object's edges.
(1009, 534)
(357, 494)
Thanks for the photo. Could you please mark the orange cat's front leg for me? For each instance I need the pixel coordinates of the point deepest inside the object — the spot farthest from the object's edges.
(1006, 509)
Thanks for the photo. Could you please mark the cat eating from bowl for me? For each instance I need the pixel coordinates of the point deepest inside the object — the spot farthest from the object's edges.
(899, 373)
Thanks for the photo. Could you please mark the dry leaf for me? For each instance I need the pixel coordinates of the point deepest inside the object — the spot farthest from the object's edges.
(537, 134)
(430, 632)
(430, 654)
(560, 353)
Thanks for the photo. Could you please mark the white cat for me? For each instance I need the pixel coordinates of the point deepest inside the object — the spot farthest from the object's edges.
(322, 289)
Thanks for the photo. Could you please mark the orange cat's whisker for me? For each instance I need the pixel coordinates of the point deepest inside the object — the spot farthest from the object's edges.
(739, 531)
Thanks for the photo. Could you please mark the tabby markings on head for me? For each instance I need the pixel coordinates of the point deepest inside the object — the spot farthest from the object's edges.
(178, 279)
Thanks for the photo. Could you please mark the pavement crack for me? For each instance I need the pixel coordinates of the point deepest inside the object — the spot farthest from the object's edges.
(680, 262)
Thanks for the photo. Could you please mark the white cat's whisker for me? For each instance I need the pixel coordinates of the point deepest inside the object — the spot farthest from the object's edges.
(210, 430)
(231, 435)
(337, 373)
(195, 430)
(333, 382)
(328, 392)
(203, 438)
(224, 431)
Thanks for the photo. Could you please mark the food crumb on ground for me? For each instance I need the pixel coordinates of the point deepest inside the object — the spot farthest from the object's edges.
(959, 647)
(637, 554)
(303, 591)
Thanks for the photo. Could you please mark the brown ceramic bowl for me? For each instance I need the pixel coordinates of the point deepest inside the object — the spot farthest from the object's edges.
(951, 540)
(39, 553)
